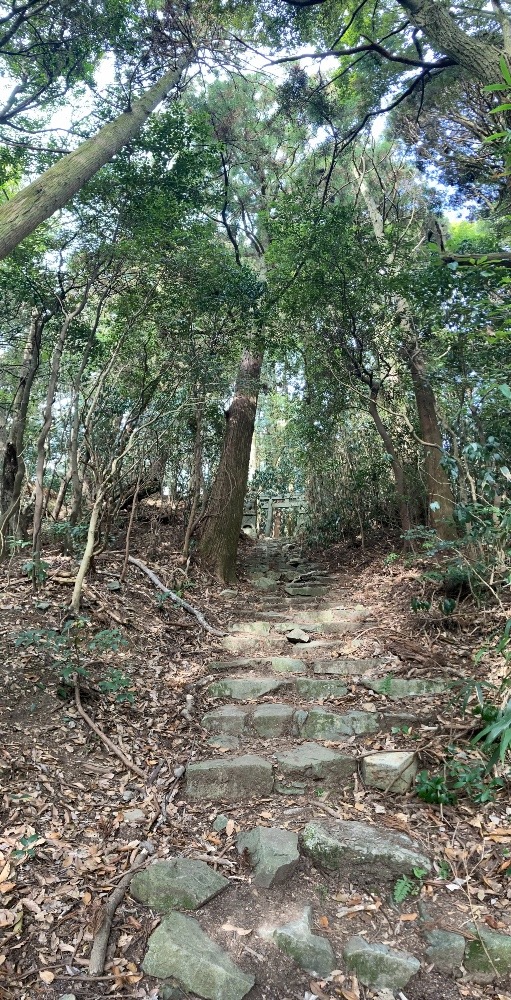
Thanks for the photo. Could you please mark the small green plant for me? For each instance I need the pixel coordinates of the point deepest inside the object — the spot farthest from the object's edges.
(406, 886)
(460, 778)
(420, 604)
(28, 847)
(66, 650)
(117, 683)
(444, 870)
(393, 557)
(402, 730)
(37, 569)
(433, 788)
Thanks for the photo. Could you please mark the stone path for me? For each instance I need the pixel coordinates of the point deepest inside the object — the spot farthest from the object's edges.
(285, 742)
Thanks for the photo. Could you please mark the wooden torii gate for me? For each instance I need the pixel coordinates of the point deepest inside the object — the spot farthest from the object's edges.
(266, 515)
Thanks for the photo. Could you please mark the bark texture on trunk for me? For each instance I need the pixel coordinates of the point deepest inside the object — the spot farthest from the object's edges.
(438, 484)
(219, 543)
(397, 468)
(13, 465)
(477, 57)
(56, 186)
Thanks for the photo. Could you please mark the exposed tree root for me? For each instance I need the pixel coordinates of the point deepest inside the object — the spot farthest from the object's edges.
(174, 597)
(103, 737)
(100, 943)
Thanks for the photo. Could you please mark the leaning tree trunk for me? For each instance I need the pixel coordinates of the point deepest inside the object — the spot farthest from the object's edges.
(219, 543)
(56, 186)
(397, 468)
(438, 484)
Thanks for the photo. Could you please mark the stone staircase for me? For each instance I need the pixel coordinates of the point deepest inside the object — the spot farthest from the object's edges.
(292, 730)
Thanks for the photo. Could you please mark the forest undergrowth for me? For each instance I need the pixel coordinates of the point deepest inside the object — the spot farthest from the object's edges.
(140, 663)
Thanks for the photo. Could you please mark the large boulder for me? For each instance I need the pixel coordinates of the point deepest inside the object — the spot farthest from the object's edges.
(365, 855)
(178, 882)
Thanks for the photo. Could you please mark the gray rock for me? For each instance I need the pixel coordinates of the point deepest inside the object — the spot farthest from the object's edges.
(312, 762)
(178, 882)
(67, 996)
(488, 956)
(377, 965)
(310, 951)
(288, 665)
(289, 626)
(445, 950)
(393, 772)
(253, 628)
(180, 948)
(365, 854)
(134, 816)
(312, 687)
(228, 594)
(220, 823)
(344, 666)
(321, 724)
(396, 687)
(297, 635)
(223, 742)
(273, 852)
(302, 590)
(239, 778)
(171, 991)
(244, 689)
(264, 584)
(228, 719)
(244, 663)
(272, 720)
(179, 771)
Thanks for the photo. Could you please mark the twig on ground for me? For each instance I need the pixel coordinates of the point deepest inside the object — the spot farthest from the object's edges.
(100, 944)
(103, 737)
(174, 597)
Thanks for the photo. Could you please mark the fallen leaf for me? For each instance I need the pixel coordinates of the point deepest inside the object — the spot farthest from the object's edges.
(7, 886)
(323, 921)
(6, 871)
(214, 839)
(235, 930)
(229, 830)
(318, 992)
(408, 916)
(46, 976)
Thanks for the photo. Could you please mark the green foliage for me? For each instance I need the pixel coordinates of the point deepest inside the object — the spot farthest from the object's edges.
(460, 779)
(37, 569)
(68, 648)
(406, 886)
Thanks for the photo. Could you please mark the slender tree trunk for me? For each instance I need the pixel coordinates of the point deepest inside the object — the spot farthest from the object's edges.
(438, 484)
(13, 465)
(397, 468)
(47, 422)
(56, 186)
(196, 479)
(224, 515)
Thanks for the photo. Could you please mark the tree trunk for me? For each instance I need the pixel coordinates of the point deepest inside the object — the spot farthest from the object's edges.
(13, 466)
(438, 484)
(478, 58)
(47, 422)
(224, 515)
(397, 468)
(196, 478)
(52, 190)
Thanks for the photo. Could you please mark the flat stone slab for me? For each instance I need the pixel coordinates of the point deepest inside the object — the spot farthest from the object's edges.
(297, 635)
(288, 665)
(345, 667)
(272, 720)
(180, 948)
(273, 852)
(245, 688)
(310, 951)
(244, 663)
(252, 628)
(237, 778)
(312, 762)
(311, 687)
(223, 742)
(365, 854)
(178, 882)
(264, 584)
(396, 687)
(445, 950)
(321, 724)
(488, 956)
(229, 719)
(303, 590)
(378, 965)
(392, 772)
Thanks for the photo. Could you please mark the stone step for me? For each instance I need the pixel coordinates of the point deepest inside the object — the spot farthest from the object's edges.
(280, 718)
(244, 642)
(340, 667)
(415, 687)
(293, 772)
